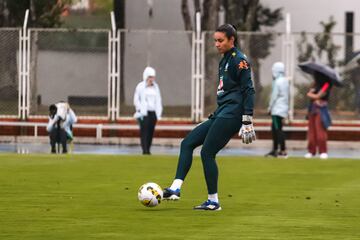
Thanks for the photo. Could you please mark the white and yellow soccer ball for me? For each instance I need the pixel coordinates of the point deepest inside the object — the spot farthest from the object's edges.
(150, 194)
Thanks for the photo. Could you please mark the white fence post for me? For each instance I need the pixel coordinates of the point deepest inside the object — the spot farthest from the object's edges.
(24, 70)
(114, 71)
(193, 93)
(288, 59)
(118, 61)
(99, 131)
(202, 76)
(197, 72)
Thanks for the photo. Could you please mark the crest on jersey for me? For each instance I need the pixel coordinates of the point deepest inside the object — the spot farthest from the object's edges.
(243, 64)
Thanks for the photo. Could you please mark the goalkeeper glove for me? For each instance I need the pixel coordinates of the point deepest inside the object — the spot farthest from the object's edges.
(247, 131)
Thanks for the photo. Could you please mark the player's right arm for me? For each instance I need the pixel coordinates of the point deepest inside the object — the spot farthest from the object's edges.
(137, 103)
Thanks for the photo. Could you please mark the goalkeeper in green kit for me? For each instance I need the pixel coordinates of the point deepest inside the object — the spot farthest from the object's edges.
(235, 99)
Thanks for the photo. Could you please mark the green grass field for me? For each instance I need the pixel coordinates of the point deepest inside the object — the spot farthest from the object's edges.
(95, 197)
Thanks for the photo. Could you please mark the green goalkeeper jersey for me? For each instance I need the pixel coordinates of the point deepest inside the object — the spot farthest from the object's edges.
(235, 92)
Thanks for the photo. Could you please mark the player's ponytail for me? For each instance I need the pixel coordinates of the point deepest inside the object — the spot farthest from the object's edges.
(230, 31)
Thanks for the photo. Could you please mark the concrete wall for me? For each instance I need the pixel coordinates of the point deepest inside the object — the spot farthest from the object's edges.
(61, 74)
(169, 54)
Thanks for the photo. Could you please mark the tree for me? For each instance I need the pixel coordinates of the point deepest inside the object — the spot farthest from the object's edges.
(186, 13)
(325, 50)
(252, 16)
(119, 11)
(325, 42)
(305, 49)
(324, 45)
(209, 9)
(43, 13)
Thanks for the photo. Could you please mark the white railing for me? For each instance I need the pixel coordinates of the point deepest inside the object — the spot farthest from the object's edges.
(99, 127)
(185, 127)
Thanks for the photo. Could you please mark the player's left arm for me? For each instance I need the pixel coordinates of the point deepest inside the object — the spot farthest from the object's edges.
(52, 122)
(247, 131)
(159, 106)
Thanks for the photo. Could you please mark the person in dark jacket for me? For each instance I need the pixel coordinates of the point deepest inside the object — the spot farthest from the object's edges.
(56, 130)
(61, 120)
(235, 100)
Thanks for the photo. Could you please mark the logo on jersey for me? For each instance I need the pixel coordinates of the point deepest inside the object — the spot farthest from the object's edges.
(243, 64)
(220, 87)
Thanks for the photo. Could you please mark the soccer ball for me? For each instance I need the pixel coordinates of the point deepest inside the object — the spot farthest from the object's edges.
(150, 194)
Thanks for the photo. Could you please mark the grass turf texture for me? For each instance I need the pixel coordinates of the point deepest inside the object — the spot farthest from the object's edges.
(95, 197)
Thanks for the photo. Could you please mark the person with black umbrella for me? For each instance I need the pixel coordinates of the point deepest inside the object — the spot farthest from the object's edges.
(319, 119)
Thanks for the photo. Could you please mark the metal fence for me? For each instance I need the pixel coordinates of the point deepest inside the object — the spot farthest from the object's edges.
(344, 101)
(76, 66)
(169, 52)
(9, 48)
(71, 66)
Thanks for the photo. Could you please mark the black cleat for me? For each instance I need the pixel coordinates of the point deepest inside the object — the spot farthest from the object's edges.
(271, 154)
(169, 194)
(282, 154)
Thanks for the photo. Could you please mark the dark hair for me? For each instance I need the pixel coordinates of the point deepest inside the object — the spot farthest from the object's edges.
(52, 110)
(230, 31)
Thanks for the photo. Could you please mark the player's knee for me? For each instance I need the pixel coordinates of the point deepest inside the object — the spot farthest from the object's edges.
(206, 154)
(187, 144)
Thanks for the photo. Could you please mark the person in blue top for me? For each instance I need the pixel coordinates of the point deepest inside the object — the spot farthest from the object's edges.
(235, 100)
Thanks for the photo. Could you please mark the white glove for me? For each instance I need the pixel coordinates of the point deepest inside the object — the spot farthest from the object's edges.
(247, 133)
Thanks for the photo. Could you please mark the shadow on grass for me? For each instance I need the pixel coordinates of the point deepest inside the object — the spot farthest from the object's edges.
(148, 209)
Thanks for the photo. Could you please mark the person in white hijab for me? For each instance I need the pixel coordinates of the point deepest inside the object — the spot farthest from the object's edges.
(278, 109)
(148, 106)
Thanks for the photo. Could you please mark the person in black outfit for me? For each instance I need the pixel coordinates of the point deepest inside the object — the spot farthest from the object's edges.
(147, 127)
(56, 131)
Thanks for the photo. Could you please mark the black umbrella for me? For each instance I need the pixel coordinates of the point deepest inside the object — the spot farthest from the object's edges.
(329, 73)
(354, 62)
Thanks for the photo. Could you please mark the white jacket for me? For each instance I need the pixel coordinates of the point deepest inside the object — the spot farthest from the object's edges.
(279, 102)
(140, 96)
